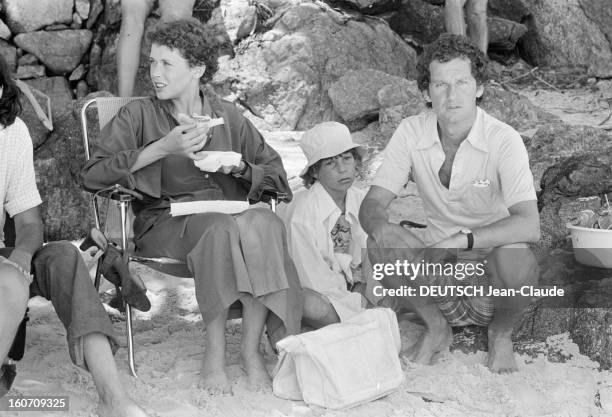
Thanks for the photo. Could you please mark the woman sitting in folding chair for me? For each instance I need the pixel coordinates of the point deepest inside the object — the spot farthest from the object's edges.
(151, 146)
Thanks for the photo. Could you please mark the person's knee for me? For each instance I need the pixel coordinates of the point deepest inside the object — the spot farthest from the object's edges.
(14, 288)
(261, 221)
(220, 223)
(316, 307)
(514, 265)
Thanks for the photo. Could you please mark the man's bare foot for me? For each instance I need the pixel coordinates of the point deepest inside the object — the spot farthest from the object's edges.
(432, 341)
(123, 408)
(501, 355)
(213, 377)
(254, 366)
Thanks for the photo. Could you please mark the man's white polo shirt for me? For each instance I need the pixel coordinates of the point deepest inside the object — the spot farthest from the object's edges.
(490, 172)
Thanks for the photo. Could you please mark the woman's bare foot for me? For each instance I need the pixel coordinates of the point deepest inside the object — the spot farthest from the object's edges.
(501, 354)
(254, 366)
(213, 378)
(123, 408)
(432, 341)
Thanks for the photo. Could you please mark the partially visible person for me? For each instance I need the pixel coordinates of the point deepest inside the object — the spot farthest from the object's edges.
(55, 271)
(472, 173)
(476, 15)
(151, 146)
(323, 230)
(133, 16)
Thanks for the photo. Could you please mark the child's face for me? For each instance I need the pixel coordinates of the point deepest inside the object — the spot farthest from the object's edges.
(337, 173)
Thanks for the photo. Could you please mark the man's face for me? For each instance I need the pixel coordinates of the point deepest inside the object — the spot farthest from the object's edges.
(453, 90)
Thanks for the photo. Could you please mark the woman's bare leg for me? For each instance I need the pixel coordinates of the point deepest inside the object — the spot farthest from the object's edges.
(214, 379)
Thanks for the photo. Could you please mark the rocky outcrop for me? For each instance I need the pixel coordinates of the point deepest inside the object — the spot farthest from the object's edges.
(284, 74)
(30, 15)
(570, 32)
(60, 51)
(583, 174)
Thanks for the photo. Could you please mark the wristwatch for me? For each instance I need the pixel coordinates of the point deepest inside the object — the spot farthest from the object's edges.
(470, 238)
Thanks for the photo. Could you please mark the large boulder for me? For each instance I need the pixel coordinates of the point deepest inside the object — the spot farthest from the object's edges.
(564, 32)
(284, 74)
(61, 51)
(9, 53)
(30, 15)
(555, 141)
(355, 95)
(515, 10)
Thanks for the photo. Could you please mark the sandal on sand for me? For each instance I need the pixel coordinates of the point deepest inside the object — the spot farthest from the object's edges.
(116, 271)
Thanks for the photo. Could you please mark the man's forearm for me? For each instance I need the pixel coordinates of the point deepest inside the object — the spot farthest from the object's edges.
(28, 240)
(513, 229)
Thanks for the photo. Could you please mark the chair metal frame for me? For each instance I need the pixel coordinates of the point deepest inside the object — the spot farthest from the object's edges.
(107, 108)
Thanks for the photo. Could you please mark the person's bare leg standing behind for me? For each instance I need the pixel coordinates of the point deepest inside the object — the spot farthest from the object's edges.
(476, 15)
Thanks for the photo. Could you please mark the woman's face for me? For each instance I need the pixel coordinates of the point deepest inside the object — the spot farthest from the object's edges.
(171, 74)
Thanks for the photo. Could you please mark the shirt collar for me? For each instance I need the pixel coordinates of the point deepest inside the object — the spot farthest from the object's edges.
(476, 136)
(328, 207)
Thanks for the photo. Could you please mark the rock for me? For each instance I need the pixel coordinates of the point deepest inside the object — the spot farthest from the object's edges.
(515, 10)
(561, 33)
(27, 59)
(9, 53)
(56, 27)
(30, 15)
(599, 11)
(77, 22)
(5, 32)
(584, 174)
(112, 12)
(60, 51)
(58, 89)
(585, 313)
(66, 209)
(284, 75)
(504, 34)
(96, 9)
(605, 86)
(396, 103)
(513, 108)
(234, 12)
(30, 71)
(82, 89)
(38, 132)
(420, 21)
(78, 73)
(374, 7)
(82, 7)
(354, 95)
(555, 141)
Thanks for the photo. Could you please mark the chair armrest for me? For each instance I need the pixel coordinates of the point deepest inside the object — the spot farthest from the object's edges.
(118, 193)
(268, 195)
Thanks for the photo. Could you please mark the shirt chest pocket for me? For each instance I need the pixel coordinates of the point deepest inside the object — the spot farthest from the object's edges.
(478, 197)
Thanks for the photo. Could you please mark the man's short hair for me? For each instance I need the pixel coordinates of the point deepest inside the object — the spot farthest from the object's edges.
(446, 48)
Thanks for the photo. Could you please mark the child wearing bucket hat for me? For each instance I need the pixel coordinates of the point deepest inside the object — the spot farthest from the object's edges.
(324, 235)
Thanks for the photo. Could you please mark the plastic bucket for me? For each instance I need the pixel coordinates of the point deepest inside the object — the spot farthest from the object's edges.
(592, 247)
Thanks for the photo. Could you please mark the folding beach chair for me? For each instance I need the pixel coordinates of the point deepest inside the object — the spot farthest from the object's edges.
(119, 199)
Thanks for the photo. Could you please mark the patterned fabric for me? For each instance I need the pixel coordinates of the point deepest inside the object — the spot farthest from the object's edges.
(465, 310)
(18, 190)
(341, 235)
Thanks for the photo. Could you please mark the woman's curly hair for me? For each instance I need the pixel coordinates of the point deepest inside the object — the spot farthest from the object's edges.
(196, 43)
(446, 48)
(10, 105)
